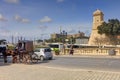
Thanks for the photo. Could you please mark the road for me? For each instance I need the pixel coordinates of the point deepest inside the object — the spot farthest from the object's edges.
(92, 63)
(63, 68)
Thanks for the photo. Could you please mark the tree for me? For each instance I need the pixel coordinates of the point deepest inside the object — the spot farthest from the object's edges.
(111, 29)
(39, 40)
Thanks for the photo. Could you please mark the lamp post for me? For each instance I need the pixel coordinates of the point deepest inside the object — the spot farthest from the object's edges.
(64, 36)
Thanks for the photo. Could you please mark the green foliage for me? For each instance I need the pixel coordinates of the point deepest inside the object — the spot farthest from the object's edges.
(56, 50)
(110, 28)
(11, 47)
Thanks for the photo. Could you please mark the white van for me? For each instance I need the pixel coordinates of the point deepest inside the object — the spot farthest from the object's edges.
(43, 53)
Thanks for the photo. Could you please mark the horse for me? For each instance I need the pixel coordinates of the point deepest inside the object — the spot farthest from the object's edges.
(18, 56)
(14, 54)
(6, 52)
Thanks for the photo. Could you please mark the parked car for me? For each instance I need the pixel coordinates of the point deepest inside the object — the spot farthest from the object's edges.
(43, 53)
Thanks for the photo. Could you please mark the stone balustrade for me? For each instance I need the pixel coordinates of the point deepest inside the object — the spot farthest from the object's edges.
(92, 51)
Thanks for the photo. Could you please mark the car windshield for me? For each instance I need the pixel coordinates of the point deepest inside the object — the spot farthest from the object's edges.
(37, 50)
(48, 50)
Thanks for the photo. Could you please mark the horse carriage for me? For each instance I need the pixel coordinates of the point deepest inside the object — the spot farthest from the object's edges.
(22, 53)
(25, 52)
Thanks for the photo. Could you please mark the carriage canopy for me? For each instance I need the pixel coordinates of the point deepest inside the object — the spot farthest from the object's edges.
(26, 45)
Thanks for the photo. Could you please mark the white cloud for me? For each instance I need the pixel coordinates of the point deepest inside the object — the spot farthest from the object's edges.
(60, 0)
(2, 18)
(46, 19)
(25, 20)
(20, 19)
(17, 18)
(42, 28)
(12, 1)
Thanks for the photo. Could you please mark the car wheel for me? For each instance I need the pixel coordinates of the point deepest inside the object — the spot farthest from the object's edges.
(41, 58)
(50, 58)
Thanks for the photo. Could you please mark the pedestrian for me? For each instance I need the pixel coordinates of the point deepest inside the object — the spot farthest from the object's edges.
(71, 50)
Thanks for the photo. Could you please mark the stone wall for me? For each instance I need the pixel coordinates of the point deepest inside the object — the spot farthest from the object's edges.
(92, 51)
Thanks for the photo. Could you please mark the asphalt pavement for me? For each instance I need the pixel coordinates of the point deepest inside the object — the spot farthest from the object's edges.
(64, 67)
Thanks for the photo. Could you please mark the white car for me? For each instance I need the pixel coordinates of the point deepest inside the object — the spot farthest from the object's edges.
(43, 53)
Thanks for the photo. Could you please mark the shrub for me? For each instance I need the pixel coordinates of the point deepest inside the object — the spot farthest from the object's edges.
(57, 51)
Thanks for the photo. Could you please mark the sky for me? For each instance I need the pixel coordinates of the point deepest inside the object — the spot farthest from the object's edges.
(37, 19)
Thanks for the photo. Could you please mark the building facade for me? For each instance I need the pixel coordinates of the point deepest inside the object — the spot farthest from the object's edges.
(81, 41)
(55, 35)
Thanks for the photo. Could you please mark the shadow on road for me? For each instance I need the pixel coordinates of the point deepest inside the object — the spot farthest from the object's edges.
(39, 62)
(31, 63)
(4, 64)
(45, 61)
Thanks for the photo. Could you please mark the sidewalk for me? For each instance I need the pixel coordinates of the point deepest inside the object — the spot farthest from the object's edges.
(91, 56)
(38, 72)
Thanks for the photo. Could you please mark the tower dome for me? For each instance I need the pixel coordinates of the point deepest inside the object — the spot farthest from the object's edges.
(98, 12)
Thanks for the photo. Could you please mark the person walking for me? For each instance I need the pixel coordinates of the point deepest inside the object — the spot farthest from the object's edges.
(71, 50)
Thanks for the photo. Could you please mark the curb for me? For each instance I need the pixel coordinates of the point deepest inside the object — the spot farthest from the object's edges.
(89, 56)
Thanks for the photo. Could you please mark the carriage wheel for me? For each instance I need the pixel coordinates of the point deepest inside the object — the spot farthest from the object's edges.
(34, 58)
(21, 57)
(25, 59)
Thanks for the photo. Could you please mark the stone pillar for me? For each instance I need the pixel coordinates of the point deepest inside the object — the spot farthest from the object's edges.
(98, 19)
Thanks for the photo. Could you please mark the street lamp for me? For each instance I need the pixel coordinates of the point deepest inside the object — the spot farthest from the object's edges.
(63, 36)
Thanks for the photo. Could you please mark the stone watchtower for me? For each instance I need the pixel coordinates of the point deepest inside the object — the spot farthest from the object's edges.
(97, 20)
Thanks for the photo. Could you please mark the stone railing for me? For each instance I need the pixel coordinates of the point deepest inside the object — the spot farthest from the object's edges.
(92, 51)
